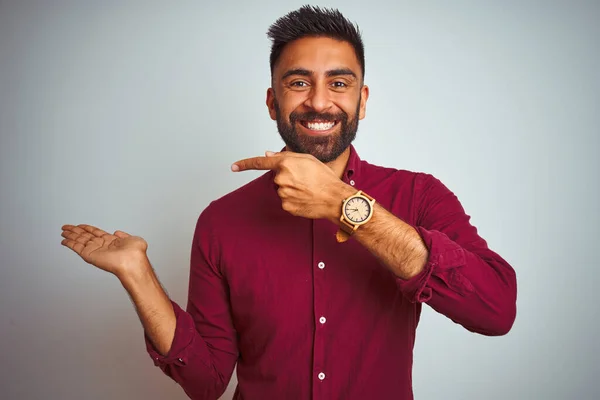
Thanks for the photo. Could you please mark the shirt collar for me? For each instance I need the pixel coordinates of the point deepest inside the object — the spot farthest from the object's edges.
(352, 169)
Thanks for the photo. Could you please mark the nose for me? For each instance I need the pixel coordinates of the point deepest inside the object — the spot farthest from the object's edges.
(319, 98)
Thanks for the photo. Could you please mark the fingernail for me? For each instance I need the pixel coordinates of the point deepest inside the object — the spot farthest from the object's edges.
(235, 168)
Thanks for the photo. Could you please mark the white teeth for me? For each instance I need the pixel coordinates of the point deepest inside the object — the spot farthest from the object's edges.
(320, 126)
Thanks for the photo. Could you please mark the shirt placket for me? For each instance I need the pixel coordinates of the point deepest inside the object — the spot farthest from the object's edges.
(322, 262)
(319, 373)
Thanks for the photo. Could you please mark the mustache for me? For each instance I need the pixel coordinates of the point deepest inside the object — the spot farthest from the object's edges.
(315, 116)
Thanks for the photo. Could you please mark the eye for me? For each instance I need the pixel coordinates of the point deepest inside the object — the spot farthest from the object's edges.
(339, 85)
(299, 84)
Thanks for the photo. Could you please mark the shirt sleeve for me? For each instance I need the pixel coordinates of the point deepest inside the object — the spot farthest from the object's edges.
(463, 279)
(204, 349)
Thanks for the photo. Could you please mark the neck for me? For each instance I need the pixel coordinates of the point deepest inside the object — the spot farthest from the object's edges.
(339, 164)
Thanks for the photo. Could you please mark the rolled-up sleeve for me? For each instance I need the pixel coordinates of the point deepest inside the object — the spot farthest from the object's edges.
(184, 335)
(204, 349)
(463, 278)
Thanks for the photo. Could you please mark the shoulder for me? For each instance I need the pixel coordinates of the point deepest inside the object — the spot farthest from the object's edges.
(409, 192)
(398, 178)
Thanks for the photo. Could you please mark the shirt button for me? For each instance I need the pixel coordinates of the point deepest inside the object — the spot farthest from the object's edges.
(321, 265)
(321, 376)
(352, 183)
(322, 320)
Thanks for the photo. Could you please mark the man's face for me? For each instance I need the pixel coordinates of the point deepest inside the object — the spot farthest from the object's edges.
(317, 97)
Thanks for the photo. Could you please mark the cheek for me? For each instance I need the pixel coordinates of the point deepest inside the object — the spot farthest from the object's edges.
(351, 110)
(348, 103)
(293, 101)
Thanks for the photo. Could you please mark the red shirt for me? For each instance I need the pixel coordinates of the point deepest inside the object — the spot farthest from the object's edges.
(306, 317)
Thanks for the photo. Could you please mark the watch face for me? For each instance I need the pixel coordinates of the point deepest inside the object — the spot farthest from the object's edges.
(357, 210)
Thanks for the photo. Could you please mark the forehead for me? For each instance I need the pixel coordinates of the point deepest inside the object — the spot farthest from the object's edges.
(317, 54)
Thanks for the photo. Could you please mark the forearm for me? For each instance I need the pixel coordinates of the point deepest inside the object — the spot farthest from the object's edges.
(198, 344)
(396, 244)
(473, 285)
(200, 367)
(152, 305)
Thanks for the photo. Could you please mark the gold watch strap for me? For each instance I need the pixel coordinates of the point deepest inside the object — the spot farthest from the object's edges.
(367, 196)
(341, 236)
(346, 230)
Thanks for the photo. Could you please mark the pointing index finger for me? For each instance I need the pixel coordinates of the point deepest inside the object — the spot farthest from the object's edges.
(256, 163)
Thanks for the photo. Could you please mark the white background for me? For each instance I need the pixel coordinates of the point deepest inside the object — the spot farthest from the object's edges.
(129, 116)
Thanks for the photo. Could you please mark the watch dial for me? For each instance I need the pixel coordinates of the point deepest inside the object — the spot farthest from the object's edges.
(357, 209)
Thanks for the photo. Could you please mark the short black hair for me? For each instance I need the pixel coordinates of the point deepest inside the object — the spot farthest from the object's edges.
(313, 21)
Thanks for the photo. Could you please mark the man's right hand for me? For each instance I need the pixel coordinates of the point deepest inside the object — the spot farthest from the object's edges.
(125, 256)
(120, 253)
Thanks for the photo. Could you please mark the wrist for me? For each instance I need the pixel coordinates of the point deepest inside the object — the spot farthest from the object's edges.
(337, 196)
(135, 269)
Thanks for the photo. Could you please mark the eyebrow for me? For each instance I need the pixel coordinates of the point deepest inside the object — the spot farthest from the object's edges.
(329, 74)
(341, 72)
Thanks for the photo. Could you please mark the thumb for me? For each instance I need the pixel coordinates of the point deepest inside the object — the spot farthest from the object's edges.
(121, 234)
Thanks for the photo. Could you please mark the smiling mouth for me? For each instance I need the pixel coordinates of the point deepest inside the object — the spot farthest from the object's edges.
(319, 126)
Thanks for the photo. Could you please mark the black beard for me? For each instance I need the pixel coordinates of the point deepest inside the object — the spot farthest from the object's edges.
(326, 148)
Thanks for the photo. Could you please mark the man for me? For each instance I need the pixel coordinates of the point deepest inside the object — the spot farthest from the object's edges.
(311, 277)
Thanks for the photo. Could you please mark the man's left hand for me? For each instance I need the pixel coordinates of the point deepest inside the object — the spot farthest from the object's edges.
(307, 187)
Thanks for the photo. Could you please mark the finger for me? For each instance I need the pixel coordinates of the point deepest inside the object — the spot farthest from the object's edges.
(256, 163)
(283, 193)
(73, 245)
(85, 229)
(121, 234)
(80, 238)
(289, 153)
(93, 230)
(73, 228)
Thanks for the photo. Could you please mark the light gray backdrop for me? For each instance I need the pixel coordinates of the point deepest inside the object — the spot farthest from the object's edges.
(128, 116)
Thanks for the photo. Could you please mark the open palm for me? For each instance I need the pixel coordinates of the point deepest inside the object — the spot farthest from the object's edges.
(109, 252)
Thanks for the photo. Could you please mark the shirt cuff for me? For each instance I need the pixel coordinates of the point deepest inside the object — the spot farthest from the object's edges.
(444, 257)
(184, 335)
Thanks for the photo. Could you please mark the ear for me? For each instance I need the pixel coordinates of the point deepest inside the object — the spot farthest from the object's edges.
(364, 96)
(271, 103)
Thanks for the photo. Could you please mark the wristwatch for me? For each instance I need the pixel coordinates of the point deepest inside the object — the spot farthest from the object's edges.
(357, 210)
